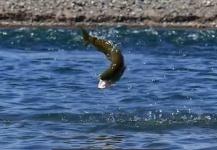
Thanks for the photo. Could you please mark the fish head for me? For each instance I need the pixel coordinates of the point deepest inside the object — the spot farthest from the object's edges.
(103, 84)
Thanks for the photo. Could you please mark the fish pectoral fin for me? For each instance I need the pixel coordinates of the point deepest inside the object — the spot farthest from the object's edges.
(108, 74)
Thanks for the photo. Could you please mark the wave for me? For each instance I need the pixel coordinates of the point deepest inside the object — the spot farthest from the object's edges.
(146, 120)
(54, 39)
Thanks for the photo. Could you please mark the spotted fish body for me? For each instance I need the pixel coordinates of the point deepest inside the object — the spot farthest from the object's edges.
(117, 67)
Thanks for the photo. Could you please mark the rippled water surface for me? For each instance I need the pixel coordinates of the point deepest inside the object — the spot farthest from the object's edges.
(167, 97)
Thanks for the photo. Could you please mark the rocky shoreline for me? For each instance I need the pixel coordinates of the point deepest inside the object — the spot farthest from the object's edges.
(132, 13)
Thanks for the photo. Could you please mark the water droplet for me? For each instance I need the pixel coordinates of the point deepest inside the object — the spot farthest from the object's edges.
(4, 33)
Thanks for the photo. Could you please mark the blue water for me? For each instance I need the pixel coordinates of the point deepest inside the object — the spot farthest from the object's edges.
(167, 97)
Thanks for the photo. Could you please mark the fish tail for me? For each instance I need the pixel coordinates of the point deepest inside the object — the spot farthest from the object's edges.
(85, 35)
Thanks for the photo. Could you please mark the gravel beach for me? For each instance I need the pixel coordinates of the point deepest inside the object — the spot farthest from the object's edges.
(132, 13)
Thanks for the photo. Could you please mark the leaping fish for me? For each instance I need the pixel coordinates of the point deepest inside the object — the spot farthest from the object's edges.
(117, 66)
